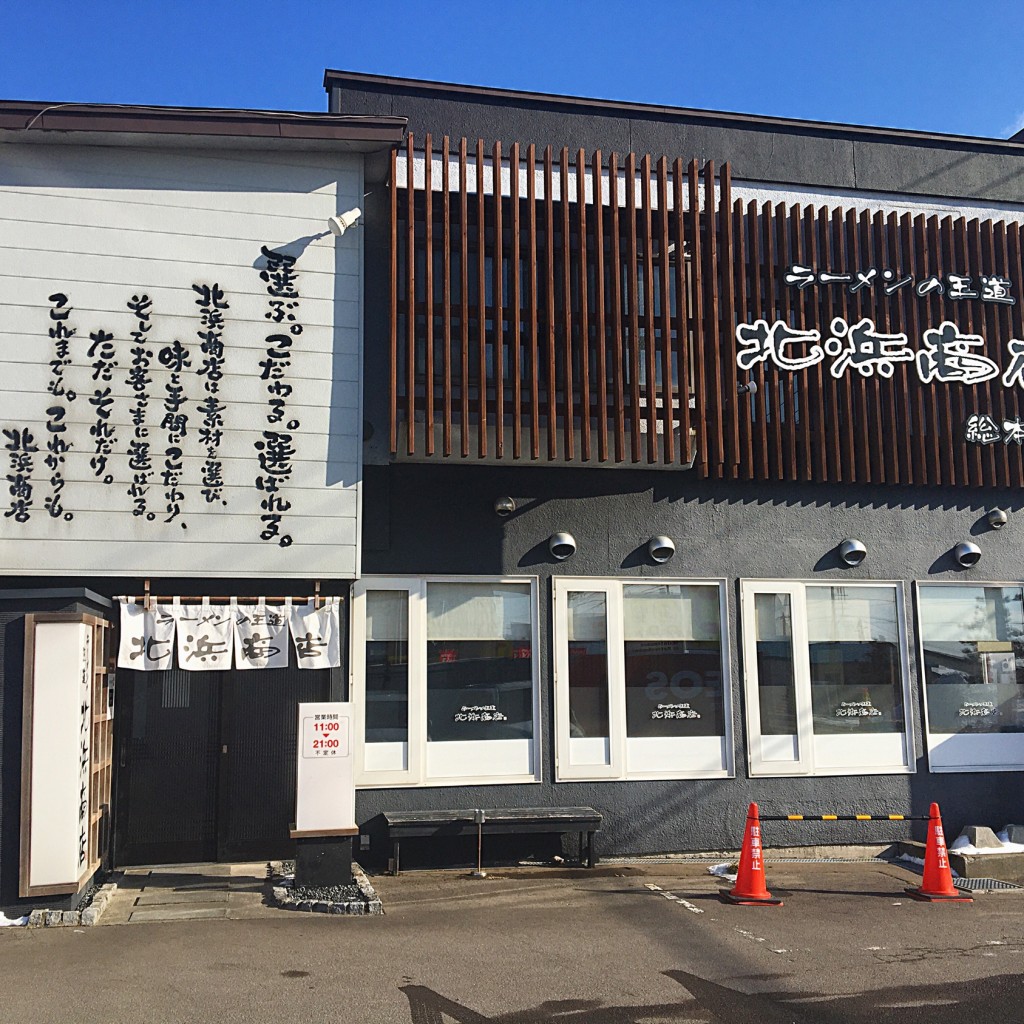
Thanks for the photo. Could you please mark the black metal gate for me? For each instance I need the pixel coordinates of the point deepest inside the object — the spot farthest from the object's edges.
(206, 763)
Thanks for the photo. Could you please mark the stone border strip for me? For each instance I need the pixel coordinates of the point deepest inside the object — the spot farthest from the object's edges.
(368, 904)
(43, 918)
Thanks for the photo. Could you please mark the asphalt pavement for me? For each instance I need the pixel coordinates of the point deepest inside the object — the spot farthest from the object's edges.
(617, 945)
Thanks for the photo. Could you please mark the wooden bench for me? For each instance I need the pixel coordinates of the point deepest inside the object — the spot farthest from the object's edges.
(497, 821)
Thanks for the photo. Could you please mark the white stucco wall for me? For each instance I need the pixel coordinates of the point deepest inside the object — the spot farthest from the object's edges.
(101, 225)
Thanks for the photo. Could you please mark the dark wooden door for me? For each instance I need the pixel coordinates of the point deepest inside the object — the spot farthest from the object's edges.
(206, 763)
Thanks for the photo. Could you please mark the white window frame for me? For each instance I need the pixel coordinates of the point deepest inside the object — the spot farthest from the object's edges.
(415, 773)
(968, 742)
(804, 764)
(618, 766)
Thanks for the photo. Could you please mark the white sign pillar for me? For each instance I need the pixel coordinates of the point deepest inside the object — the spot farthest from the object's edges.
(325, 802)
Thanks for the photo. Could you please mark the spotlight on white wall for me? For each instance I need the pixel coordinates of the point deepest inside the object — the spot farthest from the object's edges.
(562, 545)
(340, 223)
(967, 554)
(852, 552)
(661, 549)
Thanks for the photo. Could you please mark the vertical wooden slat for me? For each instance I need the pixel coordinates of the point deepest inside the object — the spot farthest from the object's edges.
(726, 332)
(428, 293)
(876, 431)
(393, 370)
(712, 339)
(832, 441)
(929, 394)
(633, 343)
(568, 377)
(682, 321)
(896, 322)
(600, 321)
(788, 381)
(584, 331)
(497, 305)
(697, 321)
(1008, 249)
(773, 381)
(667, 417)
(481, 282)
(446, 295)
(809, 401)
(866, 444)
(515, 305)
(916, 401)
(944, 425)
(410, 315)
(820, 438)
(616, 274)
(549, 231)
(983, 260)
(531, 202)
(741, 263)
(963, 460)
(651, 389)
(759, 308)
(886, 389)
(464, 296)
(852, 445)
(980, 458)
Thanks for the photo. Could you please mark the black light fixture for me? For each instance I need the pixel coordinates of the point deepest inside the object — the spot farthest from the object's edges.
(750, 388)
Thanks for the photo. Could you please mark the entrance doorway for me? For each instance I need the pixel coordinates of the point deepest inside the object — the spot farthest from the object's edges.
(206, 763)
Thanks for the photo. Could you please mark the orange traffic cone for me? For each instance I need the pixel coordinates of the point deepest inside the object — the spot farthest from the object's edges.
(937, 884)
(750, 889)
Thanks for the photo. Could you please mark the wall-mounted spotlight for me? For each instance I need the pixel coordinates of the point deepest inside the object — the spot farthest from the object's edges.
(852, 552)
(661, 549)
(340, 223)
(750, 388)
(996, 519)
(504, 507)
(967, 554)
(562, 545)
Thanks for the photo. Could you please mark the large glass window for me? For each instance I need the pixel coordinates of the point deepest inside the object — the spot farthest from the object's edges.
(640, 675)
(444, 680)
(826, 678)
(972, 645)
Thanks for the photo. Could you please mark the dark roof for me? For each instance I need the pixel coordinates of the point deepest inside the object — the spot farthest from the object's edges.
(555, 101)
(363, 133)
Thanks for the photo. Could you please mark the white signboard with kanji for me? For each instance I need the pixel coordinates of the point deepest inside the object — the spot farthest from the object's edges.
(326, 795)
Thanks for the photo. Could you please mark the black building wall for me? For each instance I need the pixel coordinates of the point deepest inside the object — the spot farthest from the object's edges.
(438, 517)
(441, 520)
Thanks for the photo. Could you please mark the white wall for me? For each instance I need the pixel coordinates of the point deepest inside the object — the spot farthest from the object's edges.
(103, 224)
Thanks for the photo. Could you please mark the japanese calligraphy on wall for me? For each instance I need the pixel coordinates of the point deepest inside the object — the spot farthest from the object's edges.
(179, 375)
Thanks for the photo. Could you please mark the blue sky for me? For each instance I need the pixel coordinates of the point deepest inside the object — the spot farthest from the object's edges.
(939, 66)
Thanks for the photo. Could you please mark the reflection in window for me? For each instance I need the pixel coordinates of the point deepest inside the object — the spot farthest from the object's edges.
(856, 681)
(673, 658)
(588, 664)
(479, 661)
(387, 666)
(776, 680)
(973, 640)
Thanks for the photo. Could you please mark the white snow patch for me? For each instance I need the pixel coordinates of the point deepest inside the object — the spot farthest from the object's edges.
(723, 871)
(12, 922)
(919, 861)
(963, 845)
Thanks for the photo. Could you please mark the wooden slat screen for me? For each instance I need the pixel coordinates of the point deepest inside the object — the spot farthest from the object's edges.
(583, 309)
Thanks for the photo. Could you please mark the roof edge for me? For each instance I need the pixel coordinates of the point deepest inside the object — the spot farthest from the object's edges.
(333, 76)
(31, 117)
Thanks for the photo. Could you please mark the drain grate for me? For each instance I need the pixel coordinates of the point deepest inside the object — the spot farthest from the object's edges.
(984, 884)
